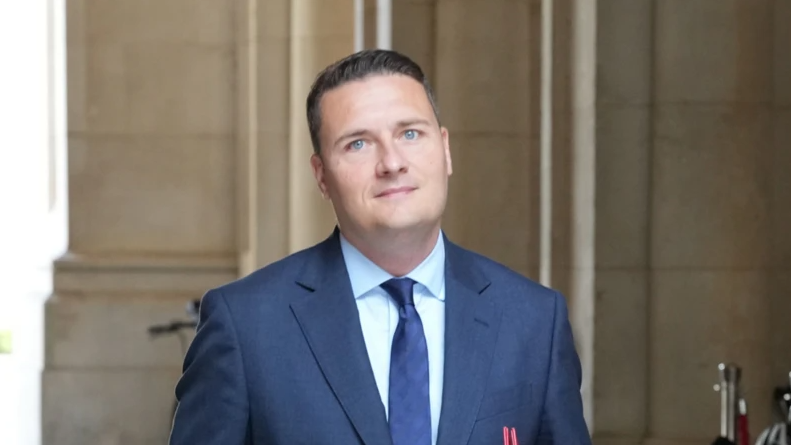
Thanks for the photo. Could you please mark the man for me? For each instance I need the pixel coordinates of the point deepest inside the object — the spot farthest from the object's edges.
(386, 332)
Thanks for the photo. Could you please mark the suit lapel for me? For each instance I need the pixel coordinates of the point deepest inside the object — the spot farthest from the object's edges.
(471, 326)
(331, 325)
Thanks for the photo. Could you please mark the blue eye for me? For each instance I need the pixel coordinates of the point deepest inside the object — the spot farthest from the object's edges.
(357, 145)
(410, 135)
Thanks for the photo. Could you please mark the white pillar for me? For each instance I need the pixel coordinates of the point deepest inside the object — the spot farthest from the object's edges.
(384, 24)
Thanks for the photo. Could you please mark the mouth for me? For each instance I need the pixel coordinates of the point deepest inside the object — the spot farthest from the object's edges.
(395, 192)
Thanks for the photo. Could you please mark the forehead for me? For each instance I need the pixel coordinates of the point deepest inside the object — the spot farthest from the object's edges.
(375, 99)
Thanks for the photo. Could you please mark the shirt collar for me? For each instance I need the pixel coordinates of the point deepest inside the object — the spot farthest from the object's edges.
(365, 275)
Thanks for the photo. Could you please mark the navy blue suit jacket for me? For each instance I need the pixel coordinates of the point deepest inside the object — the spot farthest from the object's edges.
(279, 359)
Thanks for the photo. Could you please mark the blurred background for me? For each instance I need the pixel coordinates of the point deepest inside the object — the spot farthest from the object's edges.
(633, 154)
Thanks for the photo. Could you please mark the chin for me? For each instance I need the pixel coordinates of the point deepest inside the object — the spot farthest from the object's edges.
(399, 224)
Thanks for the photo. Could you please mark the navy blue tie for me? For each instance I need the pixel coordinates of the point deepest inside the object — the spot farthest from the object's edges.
(409, 407)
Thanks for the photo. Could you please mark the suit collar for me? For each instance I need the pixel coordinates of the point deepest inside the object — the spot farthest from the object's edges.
(471, 326)
(461, 265)
(331, 325)
(327, 265)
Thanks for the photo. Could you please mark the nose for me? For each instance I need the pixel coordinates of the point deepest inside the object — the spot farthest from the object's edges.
(391, 160)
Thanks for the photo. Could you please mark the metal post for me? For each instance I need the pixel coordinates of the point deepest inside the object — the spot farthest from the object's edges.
(730, 375)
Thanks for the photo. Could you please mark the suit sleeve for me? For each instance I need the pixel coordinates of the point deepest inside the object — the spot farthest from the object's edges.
(562, 421)
(212, 392)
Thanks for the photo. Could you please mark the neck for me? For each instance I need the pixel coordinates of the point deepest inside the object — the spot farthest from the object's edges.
(397, 253)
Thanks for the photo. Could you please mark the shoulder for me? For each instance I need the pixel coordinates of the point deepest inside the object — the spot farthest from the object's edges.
(504, 283)
(274, 281)
(529, 308)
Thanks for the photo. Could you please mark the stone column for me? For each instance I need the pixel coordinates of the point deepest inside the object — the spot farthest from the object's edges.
(711, 204)
(263, 102)
(283, 45)
(483, 86)
(414, 32)
(572, 213)
(369, 23)
(151, 165)
(322, 32)
(780, 278)
(624, 45)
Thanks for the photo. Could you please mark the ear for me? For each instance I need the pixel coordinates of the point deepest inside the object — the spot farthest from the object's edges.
(446, 147)
(318, 172)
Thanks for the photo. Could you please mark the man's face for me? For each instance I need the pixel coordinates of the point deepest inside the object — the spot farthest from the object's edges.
(384, 160)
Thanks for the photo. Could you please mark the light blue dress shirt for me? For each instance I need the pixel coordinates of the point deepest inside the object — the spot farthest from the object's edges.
(379, 317)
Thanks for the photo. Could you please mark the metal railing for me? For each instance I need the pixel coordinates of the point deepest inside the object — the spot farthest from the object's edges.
(734, 419)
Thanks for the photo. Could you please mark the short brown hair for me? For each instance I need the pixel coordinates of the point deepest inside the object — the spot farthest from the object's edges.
(357, 67)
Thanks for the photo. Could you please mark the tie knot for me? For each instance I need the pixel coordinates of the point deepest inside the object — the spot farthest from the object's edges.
(400, 289)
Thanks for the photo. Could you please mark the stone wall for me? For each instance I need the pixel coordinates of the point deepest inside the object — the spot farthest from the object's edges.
(669, 126)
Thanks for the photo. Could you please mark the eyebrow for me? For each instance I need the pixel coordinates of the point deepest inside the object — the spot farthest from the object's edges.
(412, 122)
(399, 124)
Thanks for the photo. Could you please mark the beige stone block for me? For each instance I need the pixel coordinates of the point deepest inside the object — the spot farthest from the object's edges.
(79, 274)
(311, 217)
(492, 96)
(584, 55)
(622, 185)
(621, 351)
(369, 24)
(607, 439)
(151, 194)
(120, 89)
(246, 106)
(180, 89)
(563, 69)
(462, 22)
(780, 290)
(701, 439)
(323, 18)
(245, 21)
(273, 18)
(263, 81)
(264, 201)
(75, 22)
(573, 188)
(533, 178)
(482, 74)
(273, 158)
(102, 97)
(712, 181)
(273, 77)
(489, 205)
(76, 65)
(782, 55)
(309, 56)
(208, 22)
(562, 189)
(414, 25)
(584, 186)
(110, 332)
(781, 196)
(568, 281)
(534, 67)
(561, 281)
(714, 51)
(624, 48)
(699, 319)
(130, 407)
